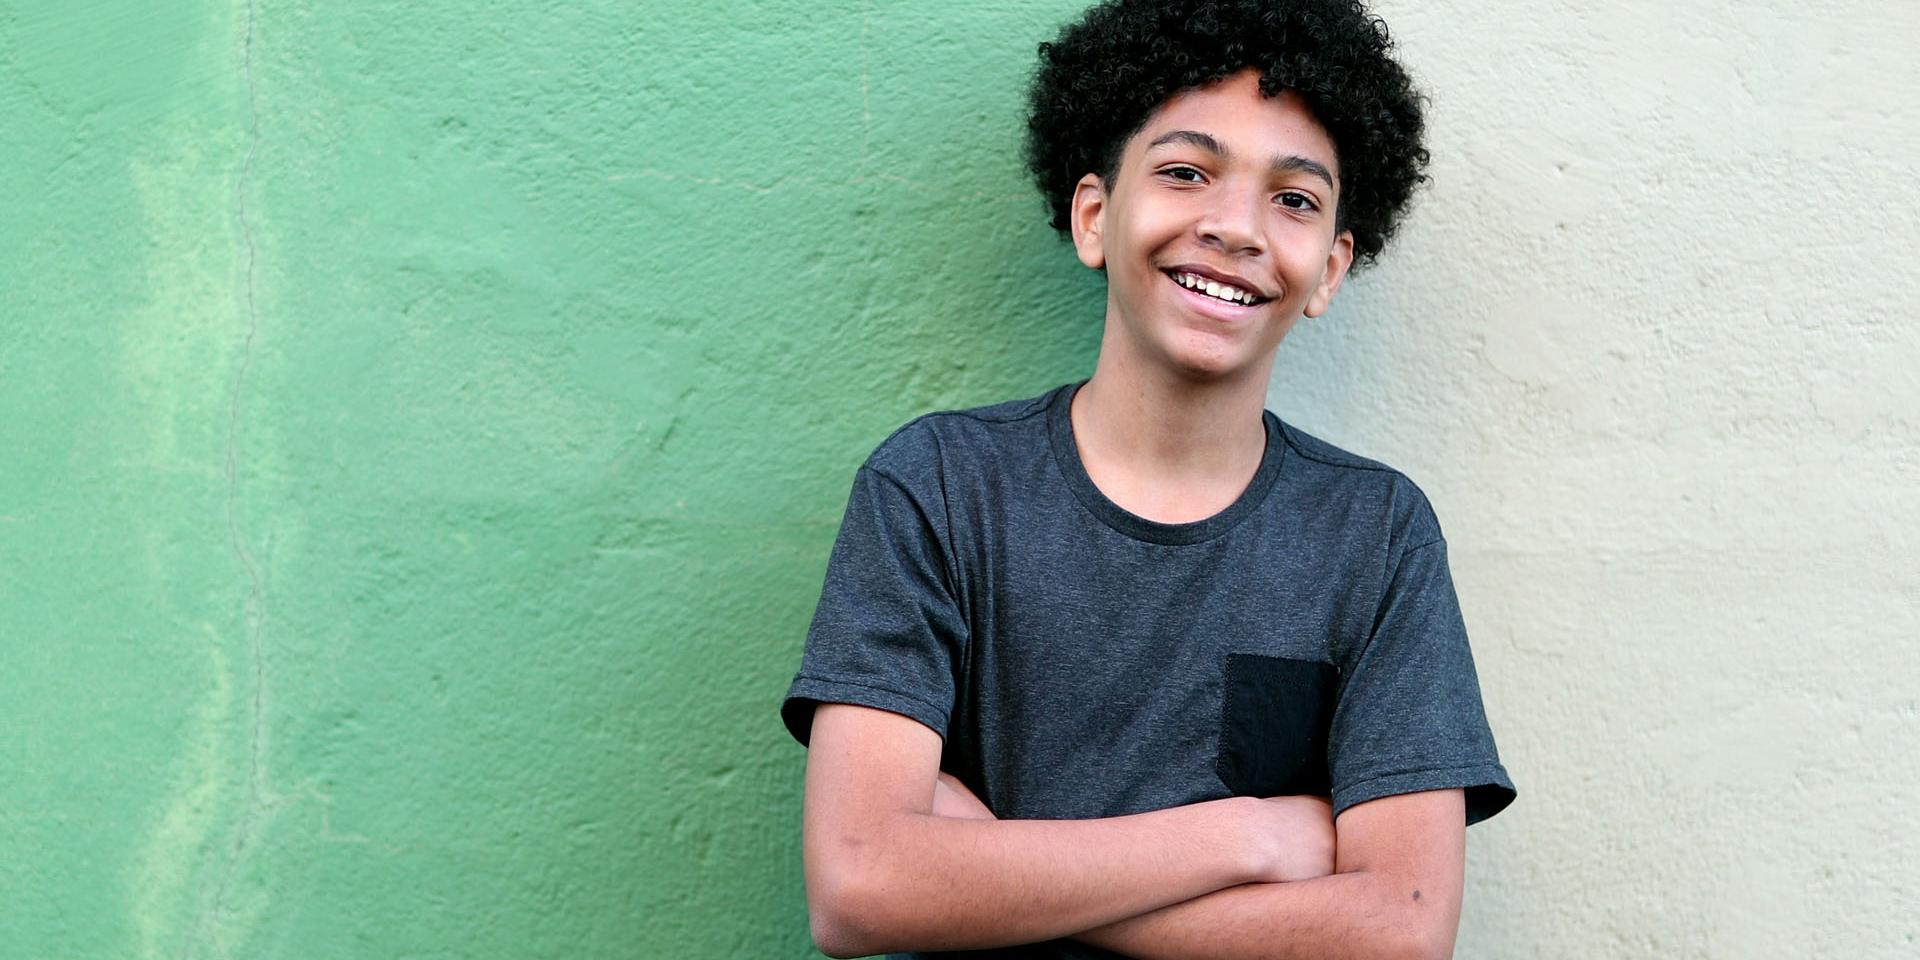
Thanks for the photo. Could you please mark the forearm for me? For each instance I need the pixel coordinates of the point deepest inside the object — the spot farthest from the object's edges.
(1343, 916)
(938, 883)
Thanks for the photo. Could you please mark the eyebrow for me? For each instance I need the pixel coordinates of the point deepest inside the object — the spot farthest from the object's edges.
(1292, 163)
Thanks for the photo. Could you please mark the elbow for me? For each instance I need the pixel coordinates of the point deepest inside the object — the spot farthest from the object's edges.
(855, 906)
(1432, 947)
(842, 918)
(836, 931)
(834, 934)
(1421, 938)
(857, 902)
(1411, 929)
(1405, 945)
(834, 938)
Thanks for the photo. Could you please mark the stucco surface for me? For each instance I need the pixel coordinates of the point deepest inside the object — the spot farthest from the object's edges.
(426, 425)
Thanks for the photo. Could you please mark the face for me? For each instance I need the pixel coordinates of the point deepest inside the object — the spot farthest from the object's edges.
(1221, 185)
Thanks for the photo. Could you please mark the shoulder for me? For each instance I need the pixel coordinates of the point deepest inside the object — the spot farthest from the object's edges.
(933, 445)
(1375, 489)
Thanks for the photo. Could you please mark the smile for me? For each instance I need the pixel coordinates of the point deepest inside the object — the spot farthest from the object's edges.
(1223, 303)
(1215, 289)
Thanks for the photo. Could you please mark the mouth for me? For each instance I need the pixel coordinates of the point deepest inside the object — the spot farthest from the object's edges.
(1215, 299)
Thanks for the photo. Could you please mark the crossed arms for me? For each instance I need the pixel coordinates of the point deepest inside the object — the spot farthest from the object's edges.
(900, 858)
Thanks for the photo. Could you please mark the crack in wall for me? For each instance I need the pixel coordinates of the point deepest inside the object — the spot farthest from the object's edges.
(866, 85)
(205, 929)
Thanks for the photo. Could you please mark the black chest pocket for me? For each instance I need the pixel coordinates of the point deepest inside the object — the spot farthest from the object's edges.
(1273, 726)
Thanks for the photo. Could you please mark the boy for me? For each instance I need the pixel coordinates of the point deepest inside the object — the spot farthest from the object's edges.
(1134, 668)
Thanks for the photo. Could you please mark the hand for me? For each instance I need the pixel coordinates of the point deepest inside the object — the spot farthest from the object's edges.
(951, 798)
(1294, 837)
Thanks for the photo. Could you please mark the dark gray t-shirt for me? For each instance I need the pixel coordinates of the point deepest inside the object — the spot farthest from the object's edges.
(1081, 661)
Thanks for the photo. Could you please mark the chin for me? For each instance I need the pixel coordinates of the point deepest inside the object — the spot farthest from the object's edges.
(1202, 360)
(1209, 367)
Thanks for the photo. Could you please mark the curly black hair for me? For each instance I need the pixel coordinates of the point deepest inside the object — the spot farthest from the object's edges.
(1103, 77)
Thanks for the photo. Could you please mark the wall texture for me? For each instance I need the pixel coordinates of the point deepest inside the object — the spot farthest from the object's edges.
(426, 424)
(1650, 347)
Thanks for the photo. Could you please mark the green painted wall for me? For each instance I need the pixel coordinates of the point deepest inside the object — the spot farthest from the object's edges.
(425, 426)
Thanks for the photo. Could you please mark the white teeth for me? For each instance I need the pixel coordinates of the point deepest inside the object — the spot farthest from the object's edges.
(1213, 288)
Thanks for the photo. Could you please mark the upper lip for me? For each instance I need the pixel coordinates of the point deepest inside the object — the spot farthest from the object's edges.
(1219, 276)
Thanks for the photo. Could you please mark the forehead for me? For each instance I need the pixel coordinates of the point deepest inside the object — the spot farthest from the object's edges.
(1251, 126)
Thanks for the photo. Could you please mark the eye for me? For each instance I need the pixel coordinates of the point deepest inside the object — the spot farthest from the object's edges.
(1297, 201)
(1173, 172)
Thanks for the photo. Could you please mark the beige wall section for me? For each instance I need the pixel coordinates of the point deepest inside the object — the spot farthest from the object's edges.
(1649, 344)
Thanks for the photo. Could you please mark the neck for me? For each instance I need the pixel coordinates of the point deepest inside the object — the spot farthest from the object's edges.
(1159, 442)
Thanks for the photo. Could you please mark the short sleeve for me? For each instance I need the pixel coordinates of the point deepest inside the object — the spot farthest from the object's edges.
(888, 632)
(1409, 716)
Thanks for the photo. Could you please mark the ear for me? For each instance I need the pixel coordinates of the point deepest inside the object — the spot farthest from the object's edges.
(1339, 259)
(1089, 206)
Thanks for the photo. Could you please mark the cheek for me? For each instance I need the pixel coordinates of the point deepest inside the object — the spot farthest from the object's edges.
(1152, 224)
(1305, 270)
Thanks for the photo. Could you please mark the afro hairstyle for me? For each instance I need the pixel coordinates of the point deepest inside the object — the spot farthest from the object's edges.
(1103, 77)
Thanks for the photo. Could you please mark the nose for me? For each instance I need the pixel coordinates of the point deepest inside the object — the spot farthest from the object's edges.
(1231, 221)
